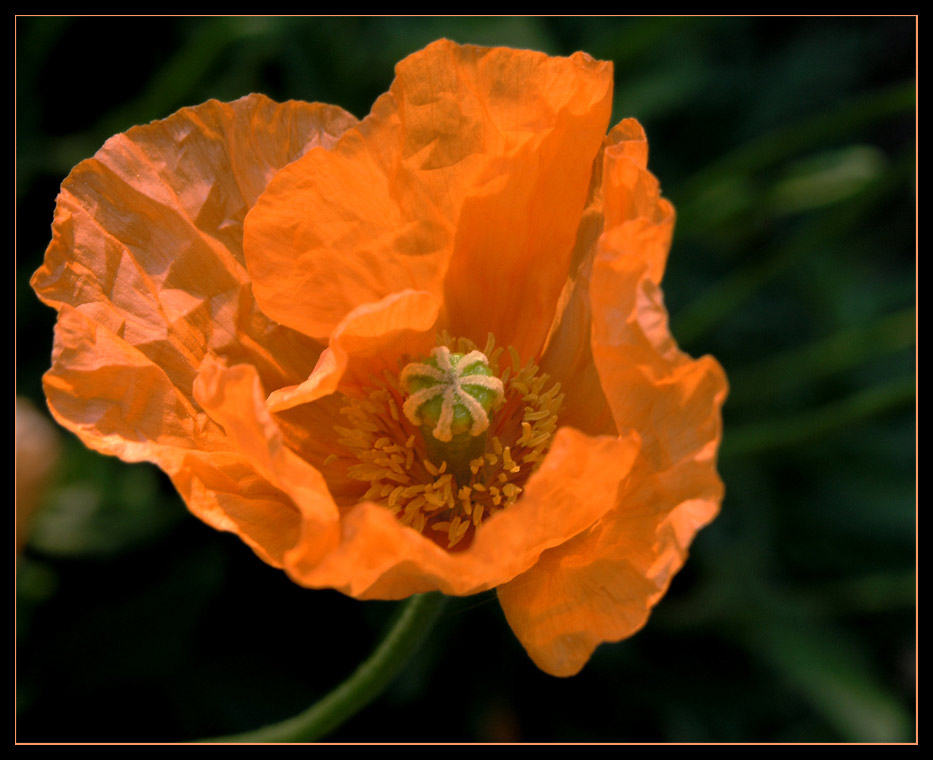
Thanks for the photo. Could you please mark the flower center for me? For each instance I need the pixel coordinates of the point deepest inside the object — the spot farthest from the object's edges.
(450, 398)
(469, 435)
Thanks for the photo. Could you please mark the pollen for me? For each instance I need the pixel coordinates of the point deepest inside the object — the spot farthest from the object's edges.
(398, 465)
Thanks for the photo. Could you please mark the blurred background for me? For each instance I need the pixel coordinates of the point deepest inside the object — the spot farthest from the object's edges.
(788, 147)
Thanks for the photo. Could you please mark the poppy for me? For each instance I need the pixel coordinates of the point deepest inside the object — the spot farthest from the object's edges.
(422, 351)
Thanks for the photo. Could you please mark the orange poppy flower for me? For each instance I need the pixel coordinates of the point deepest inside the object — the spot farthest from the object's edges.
(422, 351)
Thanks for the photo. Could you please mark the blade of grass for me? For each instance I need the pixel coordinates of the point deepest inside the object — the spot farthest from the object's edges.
(813, 423)
(723, 298)
(781, 143)
(803, 365)
(826, 668)
(880, 592)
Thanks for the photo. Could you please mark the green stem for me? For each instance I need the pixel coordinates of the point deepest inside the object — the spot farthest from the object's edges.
(369, 680)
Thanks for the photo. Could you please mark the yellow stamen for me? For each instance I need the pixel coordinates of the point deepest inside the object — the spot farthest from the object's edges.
(382, 448)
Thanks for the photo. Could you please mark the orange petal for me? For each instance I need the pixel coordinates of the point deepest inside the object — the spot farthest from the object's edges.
(545, 123)
(638, 221)
(648, 382)
(226, 492)
(379, 558)
(568, 354)
(146, 268)
(601, 585)
(650, 385)
(368, 340)
(233, 397)
(119, 403)
(147, 238)
(477, 159)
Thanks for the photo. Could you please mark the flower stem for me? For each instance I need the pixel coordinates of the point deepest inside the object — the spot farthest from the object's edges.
(414, 622)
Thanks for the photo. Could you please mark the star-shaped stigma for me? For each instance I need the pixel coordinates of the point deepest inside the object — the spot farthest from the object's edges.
(462, 383)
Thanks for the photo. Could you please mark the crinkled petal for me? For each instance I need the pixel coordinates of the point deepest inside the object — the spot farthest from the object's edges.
(370, 339)
(515, 236)
(379, 558)
(234, 398)
(147, 237)
(621, 190)
(639, 223)
(448, 171)
(146, 268)
(226, 491)
(601, 585)
(568, 354)
(116, 399)
(648, 382)
(120, 403)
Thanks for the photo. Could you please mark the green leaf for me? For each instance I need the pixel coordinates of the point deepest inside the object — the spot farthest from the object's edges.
(826, 668)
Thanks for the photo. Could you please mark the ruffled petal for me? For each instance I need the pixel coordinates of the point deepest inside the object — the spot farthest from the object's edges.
(120, 403)
(639, 223)
(146, 268)
(545, 122)
(647, 381)
(233, 397)
(568, 354)
(226, 492)
(117, 400)
(379, 558)
(147, 237)
(449, 170)
(370, 339)
(601, 585)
